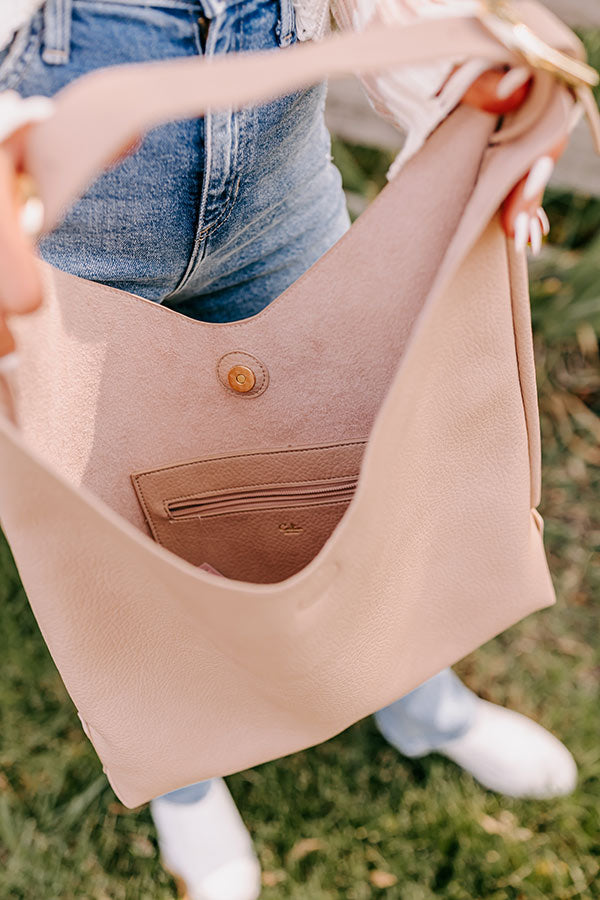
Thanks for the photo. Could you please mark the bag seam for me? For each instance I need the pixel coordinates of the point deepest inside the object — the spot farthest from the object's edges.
(524, 404)
(139, 489)
(195, 462)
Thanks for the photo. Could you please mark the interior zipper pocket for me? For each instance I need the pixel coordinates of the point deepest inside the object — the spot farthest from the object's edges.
(262, 497)
(258, 515)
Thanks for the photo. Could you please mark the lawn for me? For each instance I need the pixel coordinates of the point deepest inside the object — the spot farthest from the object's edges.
(351, 818)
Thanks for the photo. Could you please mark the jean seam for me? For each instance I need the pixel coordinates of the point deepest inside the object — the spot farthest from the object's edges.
(197, 250)
(286, 22)
(236, 163)
(206, 229)
(31, 37)
(235, 151)
(229, 206)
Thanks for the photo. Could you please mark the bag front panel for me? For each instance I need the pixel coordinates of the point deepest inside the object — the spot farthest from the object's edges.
(437, 552)
(114, 385)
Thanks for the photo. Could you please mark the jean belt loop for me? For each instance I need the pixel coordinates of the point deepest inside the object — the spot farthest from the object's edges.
(57, 32)
(213, 8)
(286, 25)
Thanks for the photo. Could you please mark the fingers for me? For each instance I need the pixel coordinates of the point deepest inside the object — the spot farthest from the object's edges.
(20, 287)
(16, 112)
(8, 361)
(544, 221)
(531, 229)
(7, 342)
(499, 92)
(538, 178)
(523, 217)
(126, 151)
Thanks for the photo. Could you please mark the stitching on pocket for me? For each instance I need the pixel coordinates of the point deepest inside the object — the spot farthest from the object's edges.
(251, 453)
(138, 478)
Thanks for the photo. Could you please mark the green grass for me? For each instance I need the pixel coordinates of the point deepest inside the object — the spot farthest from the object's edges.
(335, 821)
(352, 819)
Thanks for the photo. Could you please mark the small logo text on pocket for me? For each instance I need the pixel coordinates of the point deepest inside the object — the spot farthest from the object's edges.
(290, 528)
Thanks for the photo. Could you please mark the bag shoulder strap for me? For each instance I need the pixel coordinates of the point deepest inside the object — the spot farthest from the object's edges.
(99, 114)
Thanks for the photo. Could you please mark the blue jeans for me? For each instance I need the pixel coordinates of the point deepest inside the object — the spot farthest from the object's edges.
(212, 217)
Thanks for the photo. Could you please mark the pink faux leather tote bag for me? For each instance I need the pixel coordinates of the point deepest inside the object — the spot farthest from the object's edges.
(239, 539)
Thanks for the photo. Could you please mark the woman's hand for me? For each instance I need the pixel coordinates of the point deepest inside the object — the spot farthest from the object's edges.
(20, 287)
(20, 284)
(523, 217)
(20, 290)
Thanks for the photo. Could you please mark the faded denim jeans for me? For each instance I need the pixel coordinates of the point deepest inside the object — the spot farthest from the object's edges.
(212, 217)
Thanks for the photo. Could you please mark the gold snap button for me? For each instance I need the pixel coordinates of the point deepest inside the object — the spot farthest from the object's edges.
(241, 379)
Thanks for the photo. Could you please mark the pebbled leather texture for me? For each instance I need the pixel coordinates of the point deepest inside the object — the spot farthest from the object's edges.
(180, 674)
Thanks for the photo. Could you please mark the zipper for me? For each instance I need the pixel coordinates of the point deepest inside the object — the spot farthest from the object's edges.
(255, 498)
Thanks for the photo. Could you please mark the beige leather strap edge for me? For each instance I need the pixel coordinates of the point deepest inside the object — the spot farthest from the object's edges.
(590, 108)
(101, 113)
(8, 405)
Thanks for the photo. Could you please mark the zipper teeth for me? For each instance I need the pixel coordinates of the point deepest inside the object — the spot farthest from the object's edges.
(271, 496)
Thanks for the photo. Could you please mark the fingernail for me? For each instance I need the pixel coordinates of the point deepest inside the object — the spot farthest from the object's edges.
(536, 236)
(16, 112)
(521, 231)
(32, 217)
(538, 178)
(9, 363)
(38, 108)
(512, 81)
(545, 221)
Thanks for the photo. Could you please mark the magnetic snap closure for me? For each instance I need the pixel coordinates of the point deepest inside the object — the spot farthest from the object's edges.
(241, 379)
(243, 373)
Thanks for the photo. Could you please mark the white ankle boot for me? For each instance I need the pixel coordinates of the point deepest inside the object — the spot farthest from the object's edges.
(510, 753)
(206, 846)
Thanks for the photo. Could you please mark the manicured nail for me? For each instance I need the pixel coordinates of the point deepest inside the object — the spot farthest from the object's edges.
(9, 363)
(15, 112)
(512, 81)
(538, 178)
(544, 220)
(32, 217)
(536, 236)
(521, 231)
